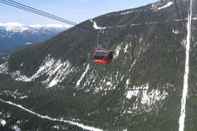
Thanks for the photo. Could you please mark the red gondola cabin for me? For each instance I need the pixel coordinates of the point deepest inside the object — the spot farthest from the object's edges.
(102, 56)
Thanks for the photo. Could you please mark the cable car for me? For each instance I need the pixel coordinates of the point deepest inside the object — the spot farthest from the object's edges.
(102, 56)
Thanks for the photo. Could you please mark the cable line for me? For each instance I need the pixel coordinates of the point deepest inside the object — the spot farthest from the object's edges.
(36, 11)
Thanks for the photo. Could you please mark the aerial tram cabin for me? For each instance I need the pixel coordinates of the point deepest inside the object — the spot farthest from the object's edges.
(102, 56)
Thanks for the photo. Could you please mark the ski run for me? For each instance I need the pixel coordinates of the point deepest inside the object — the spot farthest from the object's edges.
(186, 74)
(85, 127)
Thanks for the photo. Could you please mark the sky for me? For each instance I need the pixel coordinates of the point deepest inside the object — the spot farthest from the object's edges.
(74, 10)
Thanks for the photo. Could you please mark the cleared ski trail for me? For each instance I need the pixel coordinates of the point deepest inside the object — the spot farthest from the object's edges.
(50, 118)
(186, 74)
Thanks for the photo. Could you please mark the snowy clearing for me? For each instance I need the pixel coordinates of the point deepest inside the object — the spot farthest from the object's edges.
(145, 97)
(96, 27)
(166, 5)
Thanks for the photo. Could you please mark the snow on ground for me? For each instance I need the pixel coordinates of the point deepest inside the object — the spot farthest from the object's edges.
(166, 5)
(83, 75)
(117, 51)
(18, 27)
(3, 122)
(187, 69)
(126, 48)
(175, 31)
(14, 94)
(55, 70)
(145, 97)
(126, 12)
(14, 27)
(4, 68)
(56, 127)
(16, 128)
(109, 83)
(194, 18)
(50, 118)
(96, 27)
(28, 43)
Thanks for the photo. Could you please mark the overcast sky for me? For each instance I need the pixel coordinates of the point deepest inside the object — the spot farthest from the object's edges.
(75, 10)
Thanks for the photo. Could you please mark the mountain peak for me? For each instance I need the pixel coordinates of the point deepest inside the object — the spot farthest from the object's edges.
(18, 27)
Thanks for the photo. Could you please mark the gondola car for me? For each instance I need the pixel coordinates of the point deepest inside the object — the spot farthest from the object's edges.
(102, 56)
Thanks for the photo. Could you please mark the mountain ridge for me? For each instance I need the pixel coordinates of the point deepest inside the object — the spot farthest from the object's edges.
(139, 91)
(16, 35)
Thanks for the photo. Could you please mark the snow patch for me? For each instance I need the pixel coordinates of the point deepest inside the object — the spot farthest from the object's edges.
(16, 128)
(83, 75)
(18, 27)
(109, 83)
(117, 51)
(14, 27)
(4, 68)
(49, 26)
(14, 94)
(28, 43)
(126, 48)
(126, 12)
(55, 70)
(96, 27)
(145, 97)
(3, 122)
(56, 127)
(187, 70)
(23, 97)
(175, 31)
(166, 5)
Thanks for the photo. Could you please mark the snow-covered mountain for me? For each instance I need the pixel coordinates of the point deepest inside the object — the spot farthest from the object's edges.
(43, 87)
(14, 35)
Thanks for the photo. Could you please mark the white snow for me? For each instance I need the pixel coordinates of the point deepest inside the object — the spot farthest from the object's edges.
(14, 94)
(145, 97)
(186, 74)
(96, 27)
(23, 97)
(132, 93)
(16, 128)
(19, 77)
(126, 12)
(109, 83)
(55, 70)
(56, 127)
(150, 98)
(194, 18)
(21, 65)
(50, 118)
(175, 31)
(170, 3)
(28, 43)
(58, 73)
(3, 122)
(38, 26)
(126, 48)
(13, 26)
(18, 27)
(117, 51)
(83, 75)
(4, 68)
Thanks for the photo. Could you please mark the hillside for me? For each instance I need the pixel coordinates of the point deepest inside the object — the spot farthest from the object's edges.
(140, 90)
